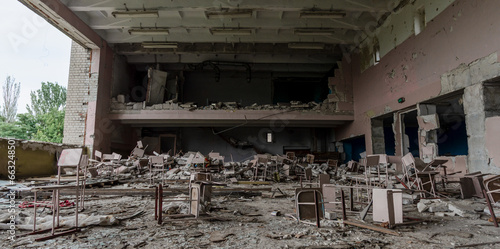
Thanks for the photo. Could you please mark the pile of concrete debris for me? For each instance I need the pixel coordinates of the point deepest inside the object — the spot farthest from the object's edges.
(118, 104)
(180, 166)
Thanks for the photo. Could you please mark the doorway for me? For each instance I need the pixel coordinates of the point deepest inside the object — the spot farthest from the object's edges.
(353, 147)
(168, 144)
(409, 132)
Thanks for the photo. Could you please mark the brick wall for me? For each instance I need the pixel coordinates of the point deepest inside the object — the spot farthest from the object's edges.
(82, 88)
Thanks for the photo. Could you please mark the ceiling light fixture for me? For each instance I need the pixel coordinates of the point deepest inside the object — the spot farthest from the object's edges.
(148, 31)
(230, 14)
(135, 13)
(230, 31)
(322, 14)
(306, 45)
(314, 32)
(159, 45)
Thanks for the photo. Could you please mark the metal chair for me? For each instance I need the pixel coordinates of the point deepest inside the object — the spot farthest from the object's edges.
(419, 175)
(156, 169)
(492, 194)
(70, 158)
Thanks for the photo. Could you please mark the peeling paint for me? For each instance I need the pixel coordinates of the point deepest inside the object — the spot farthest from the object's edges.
(387, 109)
(370, 113)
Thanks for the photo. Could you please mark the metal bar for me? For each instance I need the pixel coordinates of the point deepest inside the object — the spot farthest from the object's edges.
(488, 201)
(54, 212)
(77, 194)
(316, 208)
(342, 196)
(401, 181)
(156, 203)
(160, 204)
(38, 232)
(351, 194)
(34, 216)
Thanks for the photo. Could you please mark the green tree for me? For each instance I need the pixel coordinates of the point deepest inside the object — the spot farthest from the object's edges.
(45, 118)
(13, 130)
(10, 91)
(48, 98)
(51, 126)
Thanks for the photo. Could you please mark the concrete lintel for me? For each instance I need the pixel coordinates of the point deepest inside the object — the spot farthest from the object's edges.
(221, 118)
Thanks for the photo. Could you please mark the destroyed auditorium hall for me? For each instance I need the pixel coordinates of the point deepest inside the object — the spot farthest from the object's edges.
(266, 124)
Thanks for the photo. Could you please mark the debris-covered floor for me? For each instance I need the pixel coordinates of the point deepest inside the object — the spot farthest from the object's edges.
(245, 220)
(263, 202)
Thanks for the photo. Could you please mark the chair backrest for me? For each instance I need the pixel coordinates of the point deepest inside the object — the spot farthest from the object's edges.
(492, 186)
(116, 156)
(332, 163)
(137, 152)
(107, 157)
(408, 160)
(262, 159)
(84, 162)
(70, 157)
(352, 166)
(372, 160)
(98, 155)
(156, 160)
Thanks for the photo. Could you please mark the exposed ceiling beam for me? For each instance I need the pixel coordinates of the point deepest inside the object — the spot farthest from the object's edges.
(204, 35)
(277, 5)
(224, 48)
(322, 62)
(173, 22)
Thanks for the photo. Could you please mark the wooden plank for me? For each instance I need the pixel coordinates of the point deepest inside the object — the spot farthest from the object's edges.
(371, 227)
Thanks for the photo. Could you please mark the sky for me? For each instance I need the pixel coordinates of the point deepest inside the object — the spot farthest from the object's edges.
(31, 50)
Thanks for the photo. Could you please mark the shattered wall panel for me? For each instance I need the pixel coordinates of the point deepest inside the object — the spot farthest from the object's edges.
(428, 122)
(156, 87)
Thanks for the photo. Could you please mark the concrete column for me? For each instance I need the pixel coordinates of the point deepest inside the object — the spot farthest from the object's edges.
(474, 120)
(99, 127)
(378, 140)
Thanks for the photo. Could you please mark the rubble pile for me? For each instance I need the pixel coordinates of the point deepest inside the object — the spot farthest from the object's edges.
(326, 107)
(182, 165)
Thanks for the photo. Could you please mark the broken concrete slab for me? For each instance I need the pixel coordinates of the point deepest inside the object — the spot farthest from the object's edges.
(218, 236)
(464, 210)
(438, 207)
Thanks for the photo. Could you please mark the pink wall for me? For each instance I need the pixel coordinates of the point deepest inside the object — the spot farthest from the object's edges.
(464, 32)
